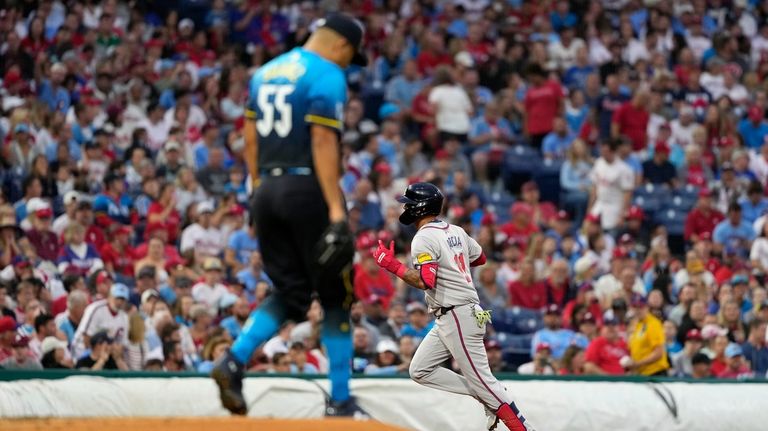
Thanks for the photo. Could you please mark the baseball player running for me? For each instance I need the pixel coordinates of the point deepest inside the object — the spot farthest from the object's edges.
(294, 117)
(442, 255)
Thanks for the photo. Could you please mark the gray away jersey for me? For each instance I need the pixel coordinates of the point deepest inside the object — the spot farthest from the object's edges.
(453, 250)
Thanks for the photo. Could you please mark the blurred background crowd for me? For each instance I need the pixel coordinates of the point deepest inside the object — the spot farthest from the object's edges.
(609, 155)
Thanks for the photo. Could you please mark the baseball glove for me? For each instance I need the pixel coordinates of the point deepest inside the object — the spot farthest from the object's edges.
(335, 249)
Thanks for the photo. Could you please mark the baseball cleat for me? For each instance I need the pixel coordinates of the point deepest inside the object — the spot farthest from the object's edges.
(348, 408)
(228, 375)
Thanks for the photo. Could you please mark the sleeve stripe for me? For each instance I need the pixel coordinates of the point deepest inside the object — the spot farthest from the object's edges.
(251, 115)
(323, 121)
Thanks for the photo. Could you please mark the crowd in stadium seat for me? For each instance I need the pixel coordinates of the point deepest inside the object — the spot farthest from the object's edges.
(611, 157)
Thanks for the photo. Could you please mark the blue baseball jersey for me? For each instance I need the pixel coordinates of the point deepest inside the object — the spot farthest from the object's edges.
(286, 96)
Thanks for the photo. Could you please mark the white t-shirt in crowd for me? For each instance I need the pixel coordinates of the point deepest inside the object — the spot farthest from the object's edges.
(452, 108)
(682, 135)
(208, 242)
(98, 317)
(208, 295)
(698, 44)
(759, 252)
(611, 181)
(275, 345)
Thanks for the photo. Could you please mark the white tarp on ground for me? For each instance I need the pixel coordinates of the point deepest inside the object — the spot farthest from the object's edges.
(551, 405)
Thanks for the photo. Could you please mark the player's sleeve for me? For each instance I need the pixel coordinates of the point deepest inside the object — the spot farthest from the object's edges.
(476, 255)
(327, 96)
(251, 106)
(425, 254)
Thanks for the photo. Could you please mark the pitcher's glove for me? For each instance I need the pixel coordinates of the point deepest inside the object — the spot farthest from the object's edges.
(335, 249)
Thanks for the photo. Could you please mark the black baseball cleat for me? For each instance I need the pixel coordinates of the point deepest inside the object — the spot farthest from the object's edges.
(348, 408)
(228, 374)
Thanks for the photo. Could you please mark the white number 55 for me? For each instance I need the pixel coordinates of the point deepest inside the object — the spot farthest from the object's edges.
(267, 122)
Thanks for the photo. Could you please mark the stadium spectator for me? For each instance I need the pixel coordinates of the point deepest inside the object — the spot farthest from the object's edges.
(553, 334)
(573, 361)
(104, 315)
(658, 170)
(105, 354)
(631, 121)
(701, 365)
(646, 342)
(543, 103)
(22, 358)
(526, 291)
(682, 362)
(541, 364)
(755, 350)
(387, 360)
(612, 183)
(419, 324)
(604, 353)
(703, 218)
(55, 354)
(736, 367)
(495, 357)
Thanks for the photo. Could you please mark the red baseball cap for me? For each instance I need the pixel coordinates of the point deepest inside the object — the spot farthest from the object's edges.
(755, 113)
(7, 324)
(383, 168)
(705, 193)
(521, 207)
(529, 186)
(562, 215)
(693, 335)
(635, 213)
(592, 218)
(618, 253)
(662, 148)
(365, 241)
(543, 346)
(102, 277)
(44, 213)
(492, 344)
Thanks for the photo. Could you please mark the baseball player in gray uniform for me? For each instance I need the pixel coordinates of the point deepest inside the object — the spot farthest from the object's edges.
(442, 256)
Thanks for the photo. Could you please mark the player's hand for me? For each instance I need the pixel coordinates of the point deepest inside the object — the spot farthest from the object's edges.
(385, 258)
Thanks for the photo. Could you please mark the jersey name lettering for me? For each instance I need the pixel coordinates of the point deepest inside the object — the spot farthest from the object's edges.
(454, 242)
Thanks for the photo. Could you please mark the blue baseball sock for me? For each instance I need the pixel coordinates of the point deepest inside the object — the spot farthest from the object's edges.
(338, 342)
(260, 326)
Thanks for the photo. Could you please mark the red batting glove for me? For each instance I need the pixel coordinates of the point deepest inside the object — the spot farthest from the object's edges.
(385, 258)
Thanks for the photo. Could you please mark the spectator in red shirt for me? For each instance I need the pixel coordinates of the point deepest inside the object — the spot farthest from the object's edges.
(631, 120)
(604, 354)
(526, 291)
(703, 218)
(543, 103)
(557, 283)
(46, 243)
(7, 335)
(736, 367)
(432, 55)
(521, 227)
(543, 212)
(163, 213)
(117, 254)
(94, 235)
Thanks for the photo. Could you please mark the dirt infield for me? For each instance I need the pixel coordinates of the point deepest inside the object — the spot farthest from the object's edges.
(192, 424)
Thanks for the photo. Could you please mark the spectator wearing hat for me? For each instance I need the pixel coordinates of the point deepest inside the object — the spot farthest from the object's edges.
(635, 239)
(736, 367)
(495, 357)
(734, 232)
(77, 254)
(695, 171)
(613, 182)
(22, 358)
(682, 128)
(754, 129)
(622, 281)
(43, 239)
(371, 283)
(105, 315)
(527, 291)
(113, 205)
(387, 360)
(543, 212)
(118, 255)
(557, 284)
(755, 349)
(105, 354)
(541, 364)
(70, 201)
(659, 170)
(11, 237)
(553, 334)
(704, 217)
(682, 361)
(646, 341)
(45, 326)
(418, 325)
(605, 353)
(209, 291)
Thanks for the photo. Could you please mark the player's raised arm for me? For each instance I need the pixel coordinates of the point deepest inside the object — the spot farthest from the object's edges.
(423, 279)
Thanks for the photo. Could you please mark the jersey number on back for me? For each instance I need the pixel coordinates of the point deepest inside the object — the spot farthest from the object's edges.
(267, 122)
(462, 265)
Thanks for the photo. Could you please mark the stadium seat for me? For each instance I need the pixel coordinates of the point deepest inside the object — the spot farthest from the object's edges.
(547, 177)
(651, 198)
(517, 321)
(520, 162)
(674, 221)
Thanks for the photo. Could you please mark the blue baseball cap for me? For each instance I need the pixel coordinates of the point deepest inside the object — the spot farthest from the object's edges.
(387, 110)
(733, 350)
(119, 290)
(21, 128)
(739, 279)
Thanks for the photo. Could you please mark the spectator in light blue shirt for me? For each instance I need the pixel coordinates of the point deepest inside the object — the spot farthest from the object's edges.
(755, 204)
(401, 89)
(754, 129)
(553, 334)
(241, 246)
(418, 325)
(733, 233)
(52, 93)
(557, 142)
(252, 275)
(234, 323)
